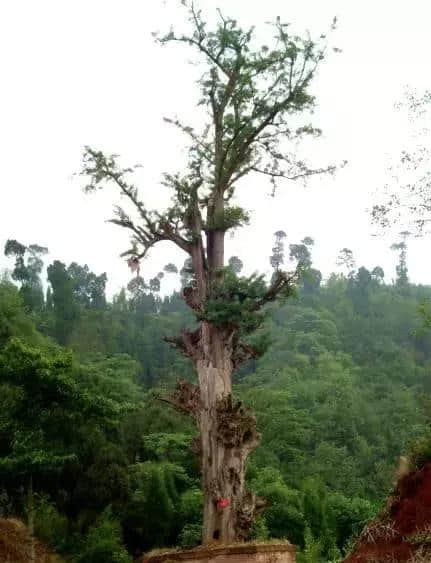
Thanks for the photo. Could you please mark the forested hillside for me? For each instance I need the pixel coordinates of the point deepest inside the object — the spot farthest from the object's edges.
(106, 470)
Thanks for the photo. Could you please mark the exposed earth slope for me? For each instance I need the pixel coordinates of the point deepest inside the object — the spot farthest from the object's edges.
(402, 532)
(15, 544)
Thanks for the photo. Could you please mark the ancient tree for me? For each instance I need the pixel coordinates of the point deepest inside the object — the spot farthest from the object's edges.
(257, 101)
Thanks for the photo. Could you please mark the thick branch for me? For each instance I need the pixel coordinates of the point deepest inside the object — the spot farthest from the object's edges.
(187, 342)
(242, 353)
(186, 398)
(101, 168)
(283, 283)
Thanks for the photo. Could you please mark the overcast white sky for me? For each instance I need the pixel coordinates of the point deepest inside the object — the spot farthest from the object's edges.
(88, 72)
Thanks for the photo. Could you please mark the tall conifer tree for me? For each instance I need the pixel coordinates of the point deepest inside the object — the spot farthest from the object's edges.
(256, 97)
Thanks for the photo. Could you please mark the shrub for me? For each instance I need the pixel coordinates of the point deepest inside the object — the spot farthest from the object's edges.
(190, 536)
(103, 543)
(50, 526)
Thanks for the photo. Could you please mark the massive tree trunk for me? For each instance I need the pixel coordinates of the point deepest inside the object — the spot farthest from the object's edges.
(227, 436)
(227, 431)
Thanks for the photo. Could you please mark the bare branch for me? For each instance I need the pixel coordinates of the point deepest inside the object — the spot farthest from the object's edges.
(187, 343)
(186, 398)
(284, 283)
(328, 169)
(242, 353)
(156, 227)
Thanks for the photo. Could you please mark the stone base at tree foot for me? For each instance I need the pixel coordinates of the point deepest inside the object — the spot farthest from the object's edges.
(241, 553)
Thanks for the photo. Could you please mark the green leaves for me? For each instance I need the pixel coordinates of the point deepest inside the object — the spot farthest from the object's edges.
(103, 543)
(44, 376)
(235, 300)
(231, 217)
(258, 100)
(153, 511)
(13, 318)
(170, 268)
(172, 447)
(34, 462)
(27, 270)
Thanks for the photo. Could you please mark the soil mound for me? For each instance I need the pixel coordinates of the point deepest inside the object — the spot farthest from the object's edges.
(403, 531)
(15, 544)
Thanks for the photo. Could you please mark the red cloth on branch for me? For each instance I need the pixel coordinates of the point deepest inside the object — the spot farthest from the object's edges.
(133, 264)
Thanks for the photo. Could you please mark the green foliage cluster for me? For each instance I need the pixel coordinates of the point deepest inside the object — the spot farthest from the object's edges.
(233, 304)
(420, 451)
(103, 543)
(77, 427)
(112, 471)
(28, 266)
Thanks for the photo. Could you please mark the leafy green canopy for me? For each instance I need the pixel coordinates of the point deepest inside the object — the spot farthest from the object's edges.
(257, 105)
(27, 269)
(41, 403)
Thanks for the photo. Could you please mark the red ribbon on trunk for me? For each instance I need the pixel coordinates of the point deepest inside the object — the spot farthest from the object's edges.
(223, 503)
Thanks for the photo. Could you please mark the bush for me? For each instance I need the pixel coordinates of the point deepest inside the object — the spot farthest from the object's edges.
(259, 530)
(103, 543)
(151, 517)
(50, 526)
(284, 516)
(191, 506)
(190, 536)
(312, 552)
(420, 452)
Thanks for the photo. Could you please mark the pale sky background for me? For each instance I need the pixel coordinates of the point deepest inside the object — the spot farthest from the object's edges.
(88, 72)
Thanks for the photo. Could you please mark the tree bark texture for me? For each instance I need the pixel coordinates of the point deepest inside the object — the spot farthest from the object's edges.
(227, 436)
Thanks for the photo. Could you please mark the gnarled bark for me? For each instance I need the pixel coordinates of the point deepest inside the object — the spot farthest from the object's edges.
(227, 437)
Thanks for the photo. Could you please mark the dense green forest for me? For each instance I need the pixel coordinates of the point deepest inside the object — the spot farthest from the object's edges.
(106, 470)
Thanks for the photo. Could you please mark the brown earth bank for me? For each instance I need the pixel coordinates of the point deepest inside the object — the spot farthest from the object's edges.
(15, 544)
(403, 531)
(240, 553)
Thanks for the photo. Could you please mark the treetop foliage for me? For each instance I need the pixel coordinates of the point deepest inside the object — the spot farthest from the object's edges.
(258, 103)
(25, 272)
(254, 97)
(27, 269)
(251, 93)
